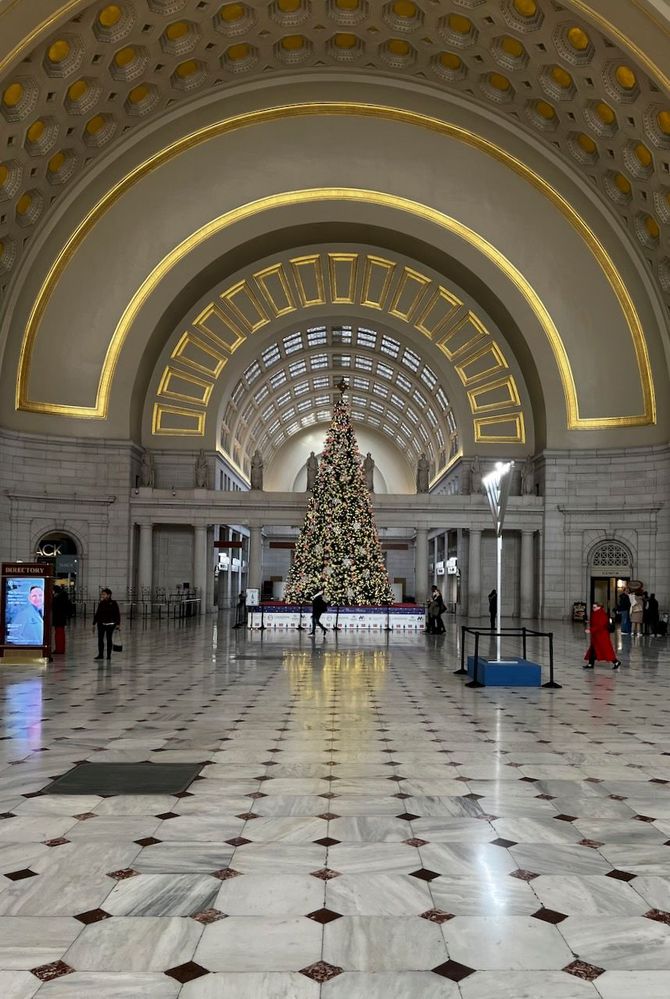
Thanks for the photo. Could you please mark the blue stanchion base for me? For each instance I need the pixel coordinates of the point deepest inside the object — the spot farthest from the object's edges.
(514, 672)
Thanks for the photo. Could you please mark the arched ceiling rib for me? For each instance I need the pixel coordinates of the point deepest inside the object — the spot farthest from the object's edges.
(290, 387)
(118, 65)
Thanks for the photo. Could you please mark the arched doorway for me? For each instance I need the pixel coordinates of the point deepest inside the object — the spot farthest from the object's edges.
(61, 551)
(610, 569)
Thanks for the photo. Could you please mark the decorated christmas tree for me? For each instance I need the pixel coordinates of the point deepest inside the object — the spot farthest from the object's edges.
(338, 550)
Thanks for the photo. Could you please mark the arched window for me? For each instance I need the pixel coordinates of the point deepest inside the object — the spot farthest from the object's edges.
(611, 558)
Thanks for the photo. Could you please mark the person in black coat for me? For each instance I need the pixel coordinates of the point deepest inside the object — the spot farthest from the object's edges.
(652, 614)
(319, 605)
(493, 608)
(107, 617)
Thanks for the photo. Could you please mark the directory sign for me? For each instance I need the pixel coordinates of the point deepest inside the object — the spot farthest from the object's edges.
(26, 599)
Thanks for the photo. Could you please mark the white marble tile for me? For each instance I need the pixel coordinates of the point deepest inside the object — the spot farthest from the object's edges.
(362, 943)
(369, 829)
(619, 943)
(198, 828)
(18, 985)
(369, 858)
(86, 985)
(378, 895)
(279, 858)
(556, 859)
(115, 827)
(136, 804)
(60, 894)
(182, 857)
(625, 984)
(254, 943)
(654, 890)
(575, 895)
(527, 985)
(251, 985)
(484, 897)
(454, 830)
(162, 895)
(134, 944)
(388, 985)
(271, 895)
(57, 804)
(523, 829)
(31, 941)
(649, 859)
(514, 943)
(464, 860)
(285, 829)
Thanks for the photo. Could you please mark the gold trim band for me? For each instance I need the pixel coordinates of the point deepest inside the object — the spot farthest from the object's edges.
(574, 421)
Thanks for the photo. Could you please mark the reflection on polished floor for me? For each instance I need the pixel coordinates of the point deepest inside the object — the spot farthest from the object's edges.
(365, 827)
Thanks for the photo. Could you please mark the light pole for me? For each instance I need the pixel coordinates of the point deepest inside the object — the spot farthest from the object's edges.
(497, 485)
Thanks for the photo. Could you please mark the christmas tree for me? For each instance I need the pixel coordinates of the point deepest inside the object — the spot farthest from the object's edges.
(338, 550)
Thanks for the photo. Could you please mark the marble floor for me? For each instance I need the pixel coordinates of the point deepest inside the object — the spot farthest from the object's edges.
(365, 826)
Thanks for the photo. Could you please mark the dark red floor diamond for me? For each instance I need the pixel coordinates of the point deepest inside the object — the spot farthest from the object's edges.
(408, 816)
(321, 971)
(226, 873)
(587, 972)
(437, 916)
(423, 874)
(187, 972)
(594, 844)
(327, 841)
(565, 818)
(523, 875)
(122, 875)
(324, 916)
(21, 875)
(92, 916)
(620, 875)
(549, 916)
(454, 971)
(238, 841)
(49, 972)
(415, 842)
(208, 916)
(506, 843)
(325, 874)
(148, 841)
(659, 916)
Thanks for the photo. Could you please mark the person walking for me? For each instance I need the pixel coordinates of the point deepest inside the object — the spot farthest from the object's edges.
(107, 617)
(60, 615)
(493, 608)
(636, 613)
(623, 608)
(319, 605)
(436, 608)
(241, 610)
(600, 647)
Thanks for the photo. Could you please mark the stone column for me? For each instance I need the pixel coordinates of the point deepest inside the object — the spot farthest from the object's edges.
(212, 532)
(200, 565)
(526, 587)
(254, 568)
(464, 582)
(421, 565)
(540, 575)
(145, 560)
(475, 573)
(435, 551)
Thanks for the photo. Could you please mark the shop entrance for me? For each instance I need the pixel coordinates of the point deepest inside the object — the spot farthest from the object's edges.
(610, 569)
(60, 550)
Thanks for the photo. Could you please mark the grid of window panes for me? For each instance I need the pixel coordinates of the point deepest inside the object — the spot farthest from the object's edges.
(291, 384)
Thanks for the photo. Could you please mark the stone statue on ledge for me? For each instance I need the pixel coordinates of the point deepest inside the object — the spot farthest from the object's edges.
(312, 469)
(476, 475)
(148, 470)
(369, 469)
(201, 470)
(528, 478)
(422, 474)
(256, 475)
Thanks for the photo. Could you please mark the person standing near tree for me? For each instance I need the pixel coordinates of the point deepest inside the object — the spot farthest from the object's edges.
(436, 608)
(107, 617)
(600, 647)
(319, 605)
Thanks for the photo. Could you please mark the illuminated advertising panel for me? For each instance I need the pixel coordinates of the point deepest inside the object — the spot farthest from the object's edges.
(26, 602)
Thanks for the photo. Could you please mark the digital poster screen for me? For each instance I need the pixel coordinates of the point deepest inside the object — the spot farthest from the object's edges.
(23, 608)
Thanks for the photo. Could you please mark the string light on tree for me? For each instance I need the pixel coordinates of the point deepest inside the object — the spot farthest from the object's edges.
(350, 570)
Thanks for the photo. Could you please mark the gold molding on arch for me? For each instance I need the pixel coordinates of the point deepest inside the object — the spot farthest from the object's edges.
(364, 281)
(100, 409)
(605, 25)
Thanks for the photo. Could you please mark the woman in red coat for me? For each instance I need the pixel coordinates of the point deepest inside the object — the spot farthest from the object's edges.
(601, 646)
